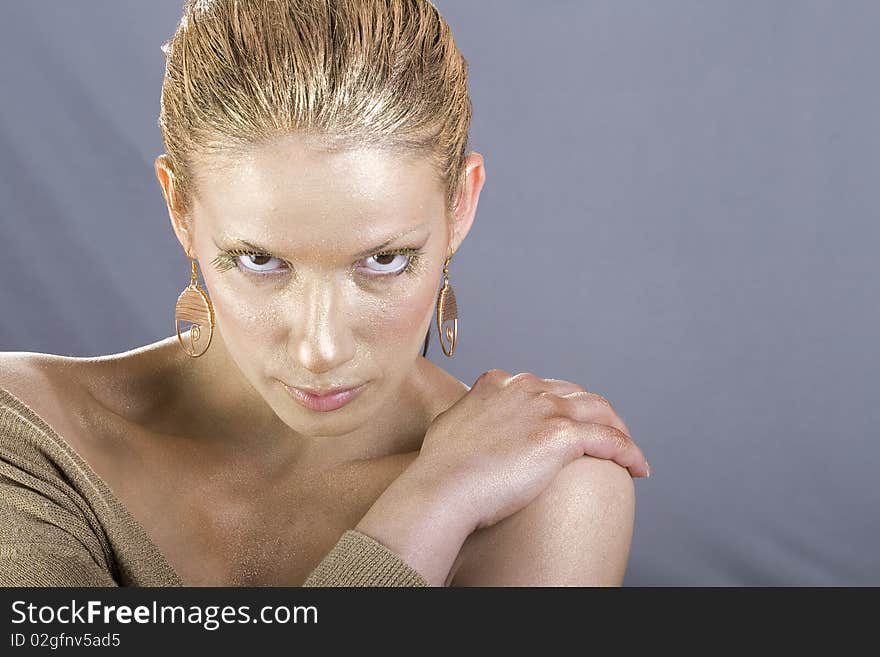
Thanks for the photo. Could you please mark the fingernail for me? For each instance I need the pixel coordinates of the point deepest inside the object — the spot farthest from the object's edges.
(649, 468)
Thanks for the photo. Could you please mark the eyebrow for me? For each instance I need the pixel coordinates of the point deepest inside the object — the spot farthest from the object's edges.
(366, 252)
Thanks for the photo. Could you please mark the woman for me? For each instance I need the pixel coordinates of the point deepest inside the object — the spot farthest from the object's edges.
(316, 174)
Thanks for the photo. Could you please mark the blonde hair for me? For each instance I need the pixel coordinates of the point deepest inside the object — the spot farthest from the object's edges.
(340, 73)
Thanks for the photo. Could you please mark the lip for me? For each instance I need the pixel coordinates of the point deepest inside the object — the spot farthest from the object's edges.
(328, 402)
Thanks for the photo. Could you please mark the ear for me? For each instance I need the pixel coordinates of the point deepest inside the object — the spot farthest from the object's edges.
(469, 195)
(179, 221)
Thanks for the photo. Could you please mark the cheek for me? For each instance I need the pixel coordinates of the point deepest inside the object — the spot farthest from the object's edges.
(398, 319)
(390, 322)
(245, 319)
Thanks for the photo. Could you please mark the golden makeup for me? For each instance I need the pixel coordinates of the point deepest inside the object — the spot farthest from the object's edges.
(323, 269)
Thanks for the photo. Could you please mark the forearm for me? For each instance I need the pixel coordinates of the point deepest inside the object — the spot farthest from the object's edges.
(419, 523)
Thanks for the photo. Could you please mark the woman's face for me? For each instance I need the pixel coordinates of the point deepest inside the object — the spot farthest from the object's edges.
(323, 270)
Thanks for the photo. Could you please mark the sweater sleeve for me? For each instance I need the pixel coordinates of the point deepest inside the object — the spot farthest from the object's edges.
(43, 543)
(360, 560)
(50, 534)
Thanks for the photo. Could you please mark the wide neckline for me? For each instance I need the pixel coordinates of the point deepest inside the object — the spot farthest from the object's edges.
(117, 507)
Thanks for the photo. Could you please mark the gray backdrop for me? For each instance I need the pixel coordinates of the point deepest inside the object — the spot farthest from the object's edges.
(678, 214)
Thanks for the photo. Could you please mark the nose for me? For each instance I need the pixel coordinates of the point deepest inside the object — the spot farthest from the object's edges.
(322, 340)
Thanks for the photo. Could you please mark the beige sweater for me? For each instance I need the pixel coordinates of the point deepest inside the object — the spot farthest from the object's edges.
(60, 524)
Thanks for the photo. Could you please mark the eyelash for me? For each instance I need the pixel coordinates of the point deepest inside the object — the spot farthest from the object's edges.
(227, 260)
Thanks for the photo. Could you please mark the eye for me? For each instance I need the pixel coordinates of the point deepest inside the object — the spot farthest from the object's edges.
(390, 264)
(258, 262)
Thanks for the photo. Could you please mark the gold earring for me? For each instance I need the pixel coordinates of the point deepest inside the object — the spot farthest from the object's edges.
(193, 305)
(447, 310)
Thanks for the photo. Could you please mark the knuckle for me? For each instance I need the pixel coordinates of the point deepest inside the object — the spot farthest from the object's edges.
(490, 376)
(619, 439)
(578, 395)
(523, 379)
(551, 427)
(547, 402)
(578, 387)
(562, 422)
(599, 399)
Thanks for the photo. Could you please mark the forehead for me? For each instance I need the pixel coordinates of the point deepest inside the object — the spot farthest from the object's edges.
(287, 178)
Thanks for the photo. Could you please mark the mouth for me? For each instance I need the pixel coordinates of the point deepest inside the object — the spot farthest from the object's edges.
(324, 401)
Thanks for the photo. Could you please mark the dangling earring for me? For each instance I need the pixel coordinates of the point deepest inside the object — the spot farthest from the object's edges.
(447, 310)
(193, 305)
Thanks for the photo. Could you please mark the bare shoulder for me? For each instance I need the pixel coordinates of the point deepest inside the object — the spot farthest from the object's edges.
(443, 389)
(49, 385)
(37, 379)
(577, 532)
(80, 398)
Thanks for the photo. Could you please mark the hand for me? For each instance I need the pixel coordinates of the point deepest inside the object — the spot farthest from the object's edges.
(503, 442)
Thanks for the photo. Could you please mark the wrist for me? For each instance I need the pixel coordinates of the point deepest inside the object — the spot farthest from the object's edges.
(419, 521)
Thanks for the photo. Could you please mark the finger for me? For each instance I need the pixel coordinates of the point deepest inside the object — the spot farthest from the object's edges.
(591, 407)
(603, 441)
(567, 387)
(561, 386)
(564, 388)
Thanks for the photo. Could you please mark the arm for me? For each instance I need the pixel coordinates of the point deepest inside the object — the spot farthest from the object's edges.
(50, 564)
(357, 559)
(410, 537)
(44, 541)
(577, 532)
(47, 538)
(43, 544)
